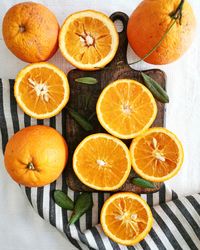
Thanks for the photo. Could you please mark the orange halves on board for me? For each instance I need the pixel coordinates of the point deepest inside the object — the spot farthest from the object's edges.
(126, 108)
(102, 162)
(157, 155)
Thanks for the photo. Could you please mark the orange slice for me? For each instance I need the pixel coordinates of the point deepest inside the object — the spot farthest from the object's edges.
(88, 39)
(102, 162)
(126, 218)
(41, 90)
(126, 108)
(157, 155)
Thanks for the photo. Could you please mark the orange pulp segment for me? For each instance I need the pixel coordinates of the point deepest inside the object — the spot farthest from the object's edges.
(102, 162)
(88, 39)
(126, 218)
(41, 90)
(126, 108)
(157, 155)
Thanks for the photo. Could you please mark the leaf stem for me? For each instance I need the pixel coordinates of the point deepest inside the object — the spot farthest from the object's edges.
(177, 14)
(156, 46)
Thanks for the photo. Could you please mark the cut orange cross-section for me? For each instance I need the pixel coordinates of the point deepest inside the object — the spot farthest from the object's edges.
(157, 155)
(88, 39)
(126, 108)
(41, 90)
(126, 218)
(102, 162)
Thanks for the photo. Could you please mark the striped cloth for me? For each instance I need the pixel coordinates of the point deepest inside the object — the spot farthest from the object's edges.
(176, 219)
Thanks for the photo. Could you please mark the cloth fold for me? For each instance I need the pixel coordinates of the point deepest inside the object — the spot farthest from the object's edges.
(176, 219)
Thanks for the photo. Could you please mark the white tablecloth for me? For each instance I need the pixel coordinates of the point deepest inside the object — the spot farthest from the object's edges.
(21, 228)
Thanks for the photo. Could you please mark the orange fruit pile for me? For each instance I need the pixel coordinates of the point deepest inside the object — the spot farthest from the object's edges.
(126, 108)
(149, 22)
(30, 31)
(126, 218)
(102, 162)
(36, 156)
(41, 90)
(157, 155)
(88, 39)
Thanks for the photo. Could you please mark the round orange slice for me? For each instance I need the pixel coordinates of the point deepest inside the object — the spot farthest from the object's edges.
(157, 155)
(102, 162)
(126, 108)
(126, 218)
(41, 90)
(88, 39)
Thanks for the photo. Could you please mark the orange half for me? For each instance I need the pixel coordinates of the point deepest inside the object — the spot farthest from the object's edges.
(126, 218)
(157, 155)
(41, 90)
(88, 39)
(126, 108)
(102, 162)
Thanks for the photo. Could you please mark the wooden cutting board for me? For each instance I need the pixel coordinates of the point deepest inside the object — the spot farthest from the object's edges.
(81, 93)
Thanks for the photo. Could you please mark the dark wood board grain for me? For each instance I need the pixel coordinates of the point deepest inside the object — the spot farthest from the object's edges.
(80, 92)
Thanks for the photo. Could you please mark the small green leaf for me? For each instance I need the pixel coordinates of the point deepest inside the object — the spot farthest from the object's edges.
(87, 98)
(86, 80)
(143, 183)
(62, 200)
(158, 92)
(83, 203)
(82, 121)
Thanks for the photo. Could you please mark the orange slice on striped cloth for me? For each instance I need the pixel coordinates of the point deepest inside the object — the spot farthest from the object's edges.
(157, 155)
(41, 90)
(126, 218)
(88, 39)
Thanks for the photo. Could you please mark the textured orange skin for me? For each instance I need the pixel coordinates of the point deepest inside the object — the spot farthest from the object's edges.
(41, 145)
(148, 24)
(39, 41)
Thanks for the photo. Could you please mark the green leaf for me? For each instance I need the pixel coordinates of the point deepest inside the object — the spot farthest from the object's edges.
(86, 80)
(62, 200)
(81, 120)
(87, 98)
(83, 203)
(158, 92)
(143, 183)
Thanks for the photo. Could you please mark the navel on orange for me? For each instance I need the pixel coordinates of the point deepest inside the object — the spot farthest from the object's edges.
(126, 218)
(126, 108)
(102, 162)
(88, 39)
(157, 155)
(41, 90)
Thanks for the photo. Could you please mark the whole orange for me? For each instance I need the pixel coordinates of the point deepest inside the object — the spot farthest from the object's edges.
(36, 156)
(30, 31)
(149, 22)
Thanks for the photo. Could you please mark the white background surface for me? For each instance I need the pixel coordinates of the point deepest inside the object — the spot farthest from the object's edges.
(20, 227)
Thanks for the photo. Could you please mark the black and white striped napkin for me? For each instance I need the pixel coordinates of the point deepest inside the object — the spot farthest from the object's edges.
(176, 219)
